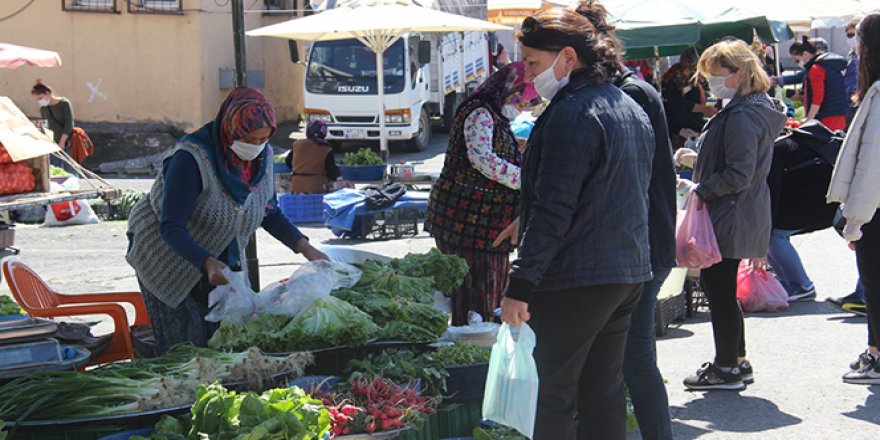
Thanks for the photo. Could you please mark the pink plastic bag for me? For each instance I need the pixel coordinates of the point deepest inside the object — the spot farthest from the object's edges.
(695, 244)
(758, 291)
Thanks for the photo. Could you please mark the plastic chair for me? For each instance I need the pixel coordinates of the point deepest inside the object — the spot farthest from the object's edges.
(39, 300)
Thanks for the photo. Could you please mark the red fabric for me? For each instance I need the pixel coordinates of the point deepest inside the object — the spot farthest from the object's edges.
(817, 82)
(835, 122)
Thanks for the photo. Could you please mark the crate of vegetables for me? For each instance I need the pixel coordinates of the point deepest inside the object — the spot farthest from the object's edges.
(362, 166)
(467, 365)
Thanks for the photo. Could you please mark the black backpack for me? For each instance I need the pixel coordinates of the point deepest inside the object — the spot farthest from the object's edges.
(817, 137)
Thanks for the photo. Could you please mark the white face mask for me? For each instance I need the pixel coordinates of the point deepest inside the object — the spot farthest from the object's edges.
(852, 43)
(546, 83)
(44, 102)
(510, 111)
(246, 151)
(719, 89)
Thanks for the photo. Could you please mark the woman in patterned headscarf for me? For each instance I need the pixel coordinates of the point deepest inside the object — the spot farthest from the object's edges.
(476, 195)
(216, 188)
(311, 159)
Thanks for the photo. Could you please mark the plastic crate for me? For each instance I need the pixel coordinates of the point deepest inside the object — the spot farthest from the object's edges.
(388, 224)
(369, 173)
(466, 383)
(302, 208)
(459, 419)
(669, 310)
(428, 430)
(7, 235)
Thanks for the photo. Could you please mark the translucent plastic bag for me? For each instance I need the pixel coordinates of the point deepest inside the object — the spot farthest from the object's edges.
(696, 246)
(511, 395)
(758, 291)
(233, 302)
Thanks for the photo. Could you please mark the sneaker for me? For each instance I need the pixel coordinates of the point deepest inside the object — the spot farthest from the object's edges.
(748, 375)
(864, 359)
(710, 377)
(803, 294)
(868, 374)
(851, 303)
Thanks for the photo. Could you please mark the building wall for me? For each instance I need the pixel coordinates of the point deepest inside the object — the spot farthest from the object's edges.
(123, 67)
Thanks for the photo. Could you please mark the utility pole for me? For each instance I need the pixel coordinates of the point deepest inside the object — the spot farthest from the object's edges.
(253, 263)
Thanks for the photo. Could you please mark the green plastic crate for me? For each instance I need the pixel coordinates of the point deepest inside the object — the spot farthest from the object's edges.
(429, 430)
(459, 419)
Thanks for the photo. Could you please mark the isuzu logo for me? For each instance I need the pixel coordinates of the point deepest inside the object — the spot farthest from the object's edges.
(353, 89)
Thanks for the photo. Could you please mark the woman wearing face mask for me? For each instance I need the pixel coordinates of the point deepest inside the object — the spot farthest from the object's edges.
(851, 75)
(584, 246)
(214, 191)
(736, 148)
(824, 90)
(58, 112)
(685, 99)
(475, 197)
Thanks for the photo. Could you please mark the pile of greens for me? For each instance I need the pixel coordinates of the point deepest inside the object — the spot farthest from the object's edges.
(461, 354)
(362, 158)
(327, 322)
(403, 366)
(498, 432)
(402, 319)
(141, 385)
(380, 279)
(8, 306)
(448, 271)
(284, 413)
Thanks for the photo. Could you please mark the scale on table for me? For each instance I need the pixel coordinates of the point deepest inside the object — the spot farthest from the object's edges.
(405, 172)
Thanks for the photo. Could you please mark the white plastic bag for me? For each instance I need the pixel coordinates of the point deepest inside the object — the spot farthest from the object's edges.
(237, 302)
(511, 395)
(74, 212)
(233, 302)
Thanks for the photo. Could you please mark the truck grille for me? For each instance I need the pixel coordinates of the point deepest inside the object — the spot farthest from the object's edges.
(356, 119)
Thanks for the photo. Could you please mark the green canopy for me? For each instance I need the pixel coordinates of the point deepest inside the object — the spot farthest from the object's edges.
(671, 26)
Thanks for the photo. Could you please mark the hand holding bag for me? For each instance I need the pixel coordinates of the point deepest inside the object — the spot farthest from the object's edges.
(511, 395)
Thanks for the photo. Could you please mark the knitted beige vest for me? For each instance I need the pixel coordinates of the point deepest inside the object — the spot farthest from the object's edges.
(215, 221)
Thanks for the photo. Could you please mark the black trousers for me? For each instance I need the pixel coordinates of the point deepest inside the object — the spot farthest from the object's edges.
(581, 338)
(868, 258)
(719, 284)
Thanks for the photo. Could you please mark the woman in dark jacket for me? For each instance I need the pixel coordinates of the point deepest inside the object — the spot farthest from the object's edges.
(476, 196)
(735, 156)
(684, 99)
(584, 252)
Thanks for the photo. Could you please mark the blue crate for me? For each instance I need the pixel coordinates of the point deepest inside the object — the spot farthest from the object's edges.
(302, 208)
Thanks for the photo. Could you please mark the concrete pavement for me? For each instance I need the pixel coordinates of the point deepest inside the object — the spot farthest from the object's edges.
(798, 355)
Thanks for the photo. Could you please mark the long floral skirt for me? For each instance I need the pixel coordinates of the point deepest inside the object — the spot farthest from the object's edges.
(483, 285)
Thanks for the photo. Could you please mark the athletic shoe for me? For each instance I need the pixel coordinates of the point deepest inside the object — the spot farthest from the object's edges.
(748, 375)
(868, 374)
(864, 359)
(710, 377)
(803, 294)
(851, 303)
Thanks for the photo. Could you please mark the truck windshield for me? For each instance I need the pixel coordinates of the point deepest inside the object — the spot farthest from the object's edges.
(347, 67)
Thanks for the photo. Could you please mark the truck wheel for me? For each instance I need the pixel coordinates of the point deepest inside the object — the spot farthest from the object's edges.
(423, 137)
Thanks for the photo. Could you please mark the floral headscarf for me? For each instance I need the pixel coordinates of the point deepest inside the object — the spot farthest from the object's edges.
(508, 86)
(317, 132)
(244, 111)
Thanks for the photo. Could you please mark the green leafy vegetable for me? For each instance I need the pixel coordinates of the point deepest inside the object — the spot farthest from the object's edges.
(497, 433)
(362, 158)
(402, 319)
(328, 322)
(403, 366)
(381, 279)
(448, 271)
(58, 172)
(462, 353)
(8, 306)
(256, 332)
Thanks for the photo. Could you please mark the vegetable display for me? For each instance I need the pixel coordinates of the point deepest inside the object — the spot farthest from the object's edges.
(461, 354)
(380, 279)
(257, 332)
(371, 404)
(58, 172)
(283, 413)
(362, 158)
(16, 178)
(402, 319)
(140, 385)
(497, 433)
(8, 306)
(403, 366)
(448, 271)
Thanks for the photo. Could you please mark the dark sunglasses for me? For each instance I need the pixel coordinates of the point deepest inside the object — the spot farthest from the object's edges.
(848, 35)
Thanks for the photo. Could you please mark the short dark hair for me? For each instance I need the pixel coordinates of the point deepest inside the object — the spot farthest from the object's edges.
(40, 88)
(805, 45)
(552, 29)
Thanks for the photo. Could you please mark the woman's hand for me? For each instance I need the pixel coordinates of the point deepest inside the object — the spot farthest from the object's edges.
(685, 157)
(214, 268)
(309, 251)
(511, 232)
(514, 312)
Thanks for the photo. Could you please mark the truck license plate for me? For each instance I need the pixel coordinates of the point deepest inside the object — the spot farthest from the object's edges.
(355, 134)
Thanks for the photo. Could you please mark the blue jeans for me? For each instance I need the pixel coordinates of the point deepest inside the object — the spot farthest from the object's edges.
(786, 262)
(640, 370)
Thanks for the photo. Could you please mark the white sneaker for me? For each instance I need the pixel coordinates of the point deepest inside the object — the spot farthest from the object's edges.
(867, 374)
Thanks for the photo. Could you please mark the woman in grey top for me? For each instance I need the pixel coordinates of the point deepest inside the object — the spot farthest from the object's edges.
(56, 110)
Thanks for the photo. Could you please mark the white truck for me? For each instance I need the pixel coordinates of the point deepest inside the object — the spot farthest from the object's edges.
(426, 77)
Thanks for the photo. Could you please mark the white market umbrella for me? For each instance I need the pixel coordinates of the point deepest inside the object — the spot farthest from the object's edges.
(806, 11)
(377, 24)
(13, 57)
